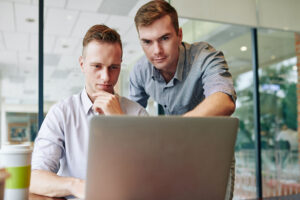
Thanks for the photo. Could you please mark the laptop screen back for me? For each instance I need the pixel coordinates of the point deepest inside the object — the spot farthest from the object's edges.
(167, 158)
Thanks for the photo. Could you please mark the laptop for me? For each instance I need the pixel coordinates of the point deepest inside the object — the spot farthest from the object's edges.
(159, 158)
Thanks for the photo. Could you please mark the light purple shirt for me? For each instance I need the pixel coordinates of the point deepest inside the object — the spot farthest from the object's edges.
(62, 142)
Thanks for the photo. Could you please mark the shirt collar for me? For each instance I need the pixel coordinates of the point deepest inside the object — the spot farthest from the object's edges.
(86, 101)
(180, 63)
(155, 74)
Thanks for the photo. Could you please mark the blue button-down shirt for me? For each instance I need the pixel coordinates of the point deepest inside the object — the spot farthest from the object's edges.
(201, 71)
(62, 142)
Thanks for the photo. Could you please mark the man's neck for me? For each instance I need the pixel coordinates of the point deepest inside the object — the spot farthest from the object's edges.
(170, 72)
(167, 75)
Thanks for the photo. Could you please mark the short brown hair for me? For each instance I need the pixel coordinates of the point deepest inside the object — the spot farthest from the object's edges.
(101, 33)
(153, 11)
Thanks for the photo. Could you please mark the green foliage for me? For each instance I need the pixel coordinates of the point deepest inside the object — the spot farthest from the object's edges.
(278, 104)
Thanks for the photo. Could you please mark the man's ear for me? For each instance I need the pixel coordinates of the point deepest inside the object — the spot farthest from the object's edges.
(81, 63)
(180, 35)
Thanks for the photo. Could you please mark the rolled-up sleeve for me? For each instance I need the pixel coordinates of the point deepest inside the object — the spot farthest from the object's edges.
(216, 76)
(49, 144)
(136, 88)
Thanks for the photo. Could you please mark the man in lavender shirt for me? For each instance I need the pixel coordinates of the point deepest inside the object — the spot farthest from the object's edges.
(60, 151)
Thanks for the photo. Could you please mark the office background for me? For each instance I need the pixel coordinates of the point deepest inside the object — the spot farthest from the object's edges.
(227, 25)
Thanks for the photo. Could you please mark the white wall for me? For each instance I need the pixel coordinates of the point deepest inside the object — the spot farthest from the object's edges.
(278, 14)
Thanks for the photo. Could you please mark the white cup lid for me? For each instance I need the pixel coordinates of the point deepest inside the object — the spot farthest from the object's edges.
(15, 148)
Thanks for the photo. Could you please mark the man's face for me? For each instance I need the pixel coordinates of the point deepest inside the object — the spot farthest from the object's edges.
(161, 43)
(101, 64)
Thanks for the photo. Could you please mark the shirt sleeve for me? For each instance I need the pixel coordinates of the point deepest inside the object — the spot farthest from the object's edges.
(137, 91)
(216, 75)
(49, 144)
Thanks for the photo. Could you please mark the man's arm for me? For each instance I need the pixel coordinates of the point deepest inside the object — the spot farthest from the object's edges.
(136, 87)
(217, 104)
(49, 184)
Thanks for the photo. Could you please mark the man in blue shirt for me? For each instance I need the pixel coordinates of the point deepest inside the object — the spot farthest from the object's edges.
(186, 79)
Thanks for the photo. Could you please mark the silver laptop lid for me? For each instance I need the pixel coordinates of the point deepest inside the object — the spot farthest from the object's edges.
(161, 158)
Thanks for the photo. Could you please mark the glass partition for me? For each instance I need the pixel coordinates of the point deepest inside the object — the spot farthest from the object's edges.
(18, 70)
(278, 117)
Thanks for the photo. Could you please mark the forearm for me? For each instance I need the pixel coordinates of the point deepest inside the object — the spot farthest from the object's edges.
(49, 184)
(218, 104)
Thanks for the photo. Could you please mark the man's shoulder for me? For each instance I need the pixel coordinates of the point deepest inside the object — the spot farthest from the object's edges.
(131, 107)
(67, 103)
(200, 47)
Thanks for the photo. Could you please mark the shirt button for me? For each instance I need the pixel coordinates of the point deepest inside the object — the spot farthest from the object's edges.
(165, 106)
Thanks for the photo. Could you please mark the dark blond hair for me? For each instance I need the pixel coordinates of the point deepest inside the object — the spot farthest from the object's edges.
(155, 10)
(101, 33)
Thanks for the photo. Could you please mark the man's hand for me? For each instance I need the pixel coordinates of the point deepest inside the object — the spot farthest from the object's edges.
(107, 103)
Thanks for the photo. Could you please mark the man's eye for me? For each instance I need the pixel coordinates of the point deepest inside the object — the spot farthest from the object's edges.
(114, 67)
(165, 38)
(146, 42)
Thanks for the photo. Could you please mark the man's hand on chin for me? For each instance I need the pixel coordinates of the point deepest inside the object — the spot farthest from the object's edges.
(107, 103)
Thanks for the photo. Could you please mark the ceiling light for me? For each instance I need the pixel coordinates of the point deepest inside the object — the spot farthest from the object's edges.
(131, 51)
(243, 48)
(295, 68)
(30, 20)
(273, 57)
(65, 46)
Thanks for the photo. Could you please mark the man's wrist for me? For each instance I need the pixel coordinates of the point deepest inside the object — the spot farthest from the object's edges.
(72, 183)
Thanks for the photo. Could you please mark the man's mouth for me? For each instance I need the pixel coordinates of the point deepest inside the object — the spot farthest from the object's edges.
(160, 59)
(104, 86)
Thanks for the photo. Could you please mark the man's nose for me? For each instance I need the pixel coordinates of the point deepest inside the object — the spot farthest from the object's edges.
(157, 48)
(104, 74)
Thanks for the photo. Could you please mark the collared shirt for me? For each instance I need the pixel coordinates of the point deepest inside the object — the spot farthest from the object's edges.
(201, 71)
(62, 142)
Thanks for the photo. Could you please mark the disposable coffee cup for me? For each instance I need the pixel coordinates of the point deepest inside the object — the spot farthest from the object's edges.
(17, 161)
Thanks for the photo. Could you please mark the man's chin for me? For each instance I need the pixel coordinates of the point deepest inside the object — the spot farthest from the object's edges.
(109, 90)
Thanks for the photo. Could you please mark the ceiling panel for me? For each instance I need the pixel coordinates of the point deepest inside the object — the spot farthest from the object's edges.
(65, 45)
(2, 47)
(6, 16)
(60, 22)
(117, 7)
(69, 62)
(20, 1)
(87, 5)
(51, 3)
(29, 60)
(48, 70)
(131, 36)
(11, 89)
(48, 43)
(8, 57)
(16, 41)
(27, 18)
(120, 23)
(136, 7)
(85, 21)
(60, 74)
